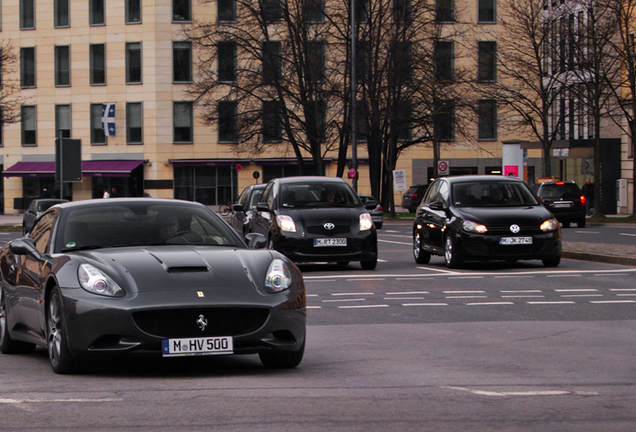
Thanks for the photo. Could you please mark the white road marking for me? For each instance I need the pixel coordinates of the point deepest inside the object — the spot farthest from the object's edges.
(344, 300)
(523, 296)
(564, 275)
(550, 302)
(353, 294)
(514, 277)
(403, 298)
(627, 234)
(489, 303)
(394, 242)
(622, 289)
(465, 292)
(581, 295)
(577, 290)
(522, 393)
(461, 297)
(314, 307)
(407, 292)
(520, 291)
(425, 304)
(363, 306)
(611, 301)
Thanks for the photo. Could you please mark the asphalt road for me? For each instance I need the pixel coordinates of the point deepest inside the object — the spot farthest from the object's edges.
(492, 347)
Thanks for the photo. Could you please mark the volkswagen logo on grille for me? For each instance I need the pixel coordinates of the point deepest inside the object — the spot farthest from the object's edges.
(515, 228)
(329, 226)
(202, 322)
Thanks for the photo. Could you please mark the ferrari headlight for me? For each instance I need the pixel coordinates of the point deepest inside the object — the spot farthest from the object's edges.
(96, 282)
(366, 223)
(471, 226)
(550, 225)
(278, 276)
(286, 223)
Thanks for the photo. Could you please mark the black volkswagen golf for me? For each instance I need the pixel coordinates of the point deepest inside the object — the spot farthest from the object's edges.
(316, 219)
(484, 218)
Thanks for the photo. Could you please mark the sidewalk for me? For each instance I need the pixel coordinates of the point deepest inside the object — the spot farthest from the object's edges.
(607, 253)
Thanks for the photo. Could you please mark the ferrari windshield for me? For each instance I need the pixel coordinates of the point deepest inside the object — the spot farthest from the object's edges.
(141, 224)
(492, 194)
(318, 195)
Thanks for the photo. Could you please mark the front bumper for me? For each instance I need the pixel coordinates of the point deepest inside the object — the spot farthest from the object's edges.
(487, 247)
(99, 326)
(360, 247)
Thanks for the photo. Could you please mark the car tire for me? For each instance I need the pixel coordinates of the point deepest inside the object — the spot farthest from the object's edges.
(552, 261)
(62, 362)
(581, 222)
(420, 255)
(8, 345)
(369, 264)
(450, 253)
(24, 230)
(282, 359)
(566, 224)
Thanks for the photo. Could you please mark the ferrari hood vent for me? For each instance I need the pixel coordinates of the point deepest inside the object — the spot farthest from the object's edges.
(188, 269)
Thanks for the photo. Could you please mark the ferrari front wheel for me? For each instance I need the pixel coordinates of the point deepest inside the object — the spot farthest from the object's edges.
(62, 362)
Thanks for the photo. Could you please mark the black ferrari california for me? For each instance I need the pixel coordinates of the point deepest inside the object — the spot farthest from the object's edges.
(147, 276)
(484, 218)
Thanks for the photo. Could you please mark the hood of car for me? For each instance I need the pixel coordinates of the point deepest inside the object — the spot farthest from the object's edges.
(182, 267)
(500, 216)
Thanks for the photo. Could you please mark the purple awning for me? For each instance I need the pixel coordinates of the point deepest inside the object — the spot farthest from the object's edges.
(109, 168)
(106, 168)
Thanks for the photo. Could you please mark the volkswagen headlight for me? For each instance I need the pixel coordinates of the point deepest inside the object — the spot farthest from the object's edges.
(366, 223)
(278, 276)
(96, 282)
(475, 227)
(286, 223)
(550, 225)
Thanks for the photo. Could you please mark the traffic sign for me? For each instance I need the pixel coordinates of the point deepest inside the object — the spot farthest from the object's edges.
(238, 167)
(442, 168)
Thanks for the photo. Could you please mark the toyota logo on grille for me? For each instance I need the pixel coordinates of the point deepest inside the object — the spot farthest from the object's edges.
(515, 228)
(329, 226)
(202, 322)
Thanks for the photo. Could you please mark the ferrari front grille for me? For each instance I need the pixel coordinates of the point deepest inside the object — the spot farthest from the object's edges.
(201, 322)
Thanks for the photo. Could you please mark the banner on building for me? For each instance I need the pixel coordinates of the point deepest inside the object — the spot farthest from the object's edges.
(108, 119)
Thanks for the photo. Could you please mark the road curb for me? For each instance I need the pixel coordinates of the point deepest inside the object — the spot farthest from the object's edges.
(610, 259)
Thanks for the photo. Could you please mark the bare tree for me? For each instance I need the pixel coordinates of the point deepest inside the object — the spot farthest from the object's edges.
(529, 84)
(10, 97)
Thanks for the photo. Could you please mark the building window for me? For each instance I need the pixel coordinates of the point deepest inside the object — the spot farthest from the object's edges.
(445, 10)
(96, 15)
(134, 123)
(226, 61)
(444, 61)
(403, 121)
(362, 11)
(487, 61)
(181, 10)
(316, 123)
(98, 64)
(62, 121)
(272, 125)
(487, 113)
(182, 120)
(314, 11)
(133, 63)
(133, 11)
(27, 14)
(401, 11)
(402, 61)
(271, 11)
(444, 120)
(316, 61)
(205, 184)
(271, 62)
(363, 61)
(226, 11)
(61, 13)
(29, 125)
(97, 133)
(62, 66)
(227, 121)
(181, 62)
(27, 67)
(486, 11)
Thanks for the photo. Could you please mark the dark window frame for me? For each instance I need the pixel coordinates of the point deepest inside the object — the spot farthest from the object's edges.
(486, 11)
(134, 68)
(96, 13)
(134, 131)
(29, 134)
(27, 14)
(28, 68)
(61, 13)
(487, 119)
(62, 56)
(181, 11)
(445, 61)
(60, 130)
(227, 123)
(181, 62)
(97, 64)
(182, 134)
(226, 11)
(226, 61)
(133, 12)
(272, 128)
(487, 61)
(97, 132)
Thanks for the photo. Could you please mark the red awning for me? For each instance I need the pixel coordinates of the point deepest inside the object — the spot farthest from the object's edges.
(105, 168)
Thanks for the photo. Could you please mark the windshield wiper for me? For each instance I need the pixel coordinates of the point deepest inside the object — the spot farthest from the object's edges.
(81, 247)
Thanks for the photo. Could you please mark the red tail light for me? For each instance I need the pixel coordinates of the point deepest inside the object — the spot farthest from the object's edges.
(379, 208)
(582, 199)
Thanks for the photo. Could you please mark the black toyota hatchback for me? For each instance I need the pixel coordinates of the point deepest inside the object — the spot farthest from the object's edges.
(316, 219)
(484, 218)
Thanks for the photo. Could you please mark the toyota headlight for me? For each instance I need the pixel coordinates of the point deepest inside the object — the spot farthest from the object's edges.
(550, 225)
(366, 223)
(278, 276)
(96, 282)
(286, 223)
(471, 226)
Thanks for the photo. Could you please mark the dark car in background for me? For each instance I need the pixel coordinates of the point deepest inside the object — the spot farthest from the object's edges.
(413, 197)
(484, 218)
(316, 219)
(564, 199)
(244, 207)
(376, 212)
(36, 208)
(107, 278)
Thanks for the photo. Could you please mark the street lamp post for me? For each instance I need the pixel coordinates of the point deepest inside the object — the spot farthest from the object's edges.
(354, 138)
